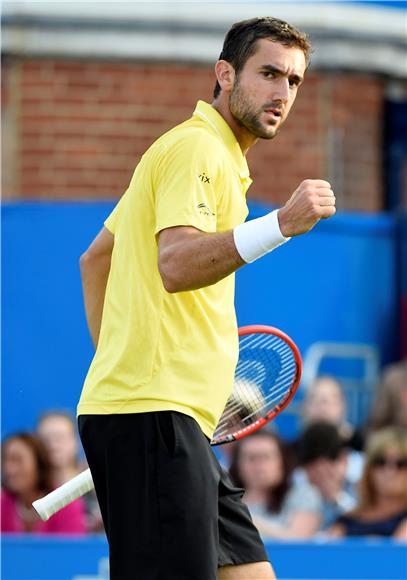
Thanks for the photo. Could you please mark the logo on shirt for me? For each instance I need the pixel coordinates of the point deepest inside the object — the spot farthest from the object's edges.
(204, 178)
(204, 209)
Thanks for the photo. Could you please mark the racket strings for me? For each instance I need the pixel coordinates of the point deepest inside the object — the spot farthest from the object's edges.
(263, 405)
(264, 402)
(264, 375)
(271, 399)
(249, 392)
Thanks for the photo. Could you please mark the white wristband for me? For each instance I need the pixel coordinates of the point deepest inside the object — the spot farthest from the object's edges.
(258, 237)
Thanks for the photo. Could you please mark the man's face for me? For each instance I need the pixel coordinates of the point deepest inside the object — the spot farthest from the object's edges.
(265, 89)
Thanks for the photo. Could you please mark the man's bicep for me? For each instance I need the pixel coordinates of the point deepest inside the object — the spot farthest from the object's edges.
(177, 234)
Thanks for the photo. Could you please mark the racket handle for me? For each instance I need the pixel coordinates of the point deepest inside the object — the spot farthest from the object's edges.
(63, 495)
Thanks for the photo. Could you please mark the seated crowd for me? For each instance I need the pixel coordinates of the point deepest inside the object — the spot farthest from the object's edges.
(333, 481)
(33, 464)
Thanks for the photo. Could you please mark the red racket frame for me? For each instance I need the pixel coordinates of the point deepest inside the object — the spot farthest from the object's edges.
(259, 328)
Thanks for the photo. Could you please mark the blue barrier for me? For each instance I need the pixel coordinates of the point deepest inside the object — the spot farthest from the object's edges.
(338, 283)
(34, 558)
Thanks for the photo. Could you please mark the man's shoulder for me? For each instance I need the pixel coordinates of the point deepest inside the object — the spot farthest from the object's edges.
(189, 138)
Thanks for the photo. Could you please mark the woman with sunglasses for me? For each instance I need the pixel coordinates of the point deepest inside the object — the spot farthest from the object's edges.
(382, 506)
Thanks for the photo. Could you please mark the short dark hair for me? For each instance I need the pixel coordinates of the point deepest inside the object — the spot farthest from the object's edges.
(240, 41)
(320, 440)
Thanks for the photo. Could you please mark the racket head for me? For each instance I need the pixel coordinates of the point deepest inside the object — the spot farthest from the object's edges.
(267, 376)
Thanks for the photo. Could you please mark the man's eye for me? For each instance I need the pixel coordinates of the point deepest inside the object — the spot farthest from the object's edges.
(268, 74)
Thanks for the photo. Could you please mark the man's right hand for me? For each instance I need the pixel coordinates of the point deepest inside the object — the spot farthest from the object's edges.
(311, 201)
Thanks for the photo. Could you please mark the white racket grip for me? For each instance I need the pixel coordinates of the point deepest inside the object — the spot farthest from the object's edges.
(63, 495)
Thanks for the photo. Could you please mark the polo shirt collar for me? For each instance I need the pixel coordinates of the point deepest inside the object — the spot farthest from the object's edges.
(211, 116)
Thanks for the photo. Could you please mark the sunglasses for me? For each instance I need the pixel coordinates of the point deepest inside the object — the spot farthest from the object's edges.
(396, 463)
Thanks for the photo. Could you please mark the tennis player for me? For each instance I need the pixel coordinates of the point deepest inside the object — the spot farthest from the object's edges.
(159, 296)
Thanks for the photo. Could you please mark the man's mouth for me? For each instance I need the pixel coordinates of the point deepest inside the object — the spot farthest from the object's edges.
(274, 113)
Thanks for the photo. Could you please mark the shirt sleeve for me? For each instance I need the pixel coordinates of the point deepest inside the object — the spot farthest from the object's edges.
(111, 221)
(188, 185)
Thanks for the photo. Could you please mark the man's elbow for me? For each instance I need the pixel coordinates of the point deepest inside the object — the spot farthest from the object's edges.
(171, 282)
(171, 287)
(85, 261)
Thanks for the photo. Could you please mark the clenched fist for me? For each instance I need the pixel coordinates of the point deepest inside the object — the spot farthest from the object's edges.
(311, 201)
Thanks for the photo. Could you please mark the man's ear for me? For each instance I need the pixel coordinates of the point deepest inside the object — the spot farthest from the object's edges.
(225, 74)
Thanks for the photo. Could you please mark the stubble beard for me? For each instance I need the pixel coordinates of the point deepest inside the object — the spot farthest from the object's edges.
(248, 116)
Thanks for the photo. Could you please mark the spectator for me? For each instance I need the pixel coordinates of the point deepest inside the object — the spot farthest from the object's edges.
(57, 430)
(325, 401)
(27, 477)
(323, 465)
(382, 506)
(279, 509)
(390, 406)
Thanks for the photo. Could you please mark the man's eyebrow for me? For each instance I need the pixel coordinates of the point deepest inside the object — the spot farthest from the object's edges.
(271, 68)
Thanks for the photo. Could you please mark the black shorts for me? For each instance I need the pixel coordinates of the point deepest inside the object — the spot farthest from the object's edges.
(170, 512)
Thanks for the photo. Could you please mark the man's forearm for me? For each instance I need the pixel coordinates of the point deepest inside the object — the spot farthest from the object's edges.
(189, 259)
(199, 260)
(95, 268)
(94, 273)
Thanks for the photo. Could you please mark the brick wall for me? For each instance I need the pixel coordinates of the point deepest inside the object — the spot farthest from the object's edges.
(76, 129)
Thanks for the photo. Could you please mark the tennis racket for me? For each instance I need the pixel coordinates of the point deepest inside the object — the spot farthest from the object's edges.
(267, 376)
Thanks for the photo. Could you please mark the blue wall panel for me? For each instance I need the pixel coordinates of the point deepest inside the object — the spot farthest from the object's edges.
(338, 283)
(35, 558)
(45, 348)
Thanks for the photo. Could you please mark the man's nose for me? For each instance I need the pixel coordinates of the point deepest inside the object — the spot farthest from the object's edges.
(281, 90)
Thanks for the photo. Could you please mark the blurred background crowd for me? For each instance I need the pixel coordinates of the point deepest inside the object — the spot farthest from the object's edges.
(85, 91)
(333, 480)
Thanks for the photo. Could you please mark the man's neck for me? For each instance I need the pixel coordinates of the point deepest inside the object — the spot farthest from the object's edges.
(243, 136)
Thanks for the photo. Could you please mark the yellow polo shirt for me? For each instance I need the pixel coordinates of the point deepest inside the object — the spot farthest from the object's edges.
(160, 351)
